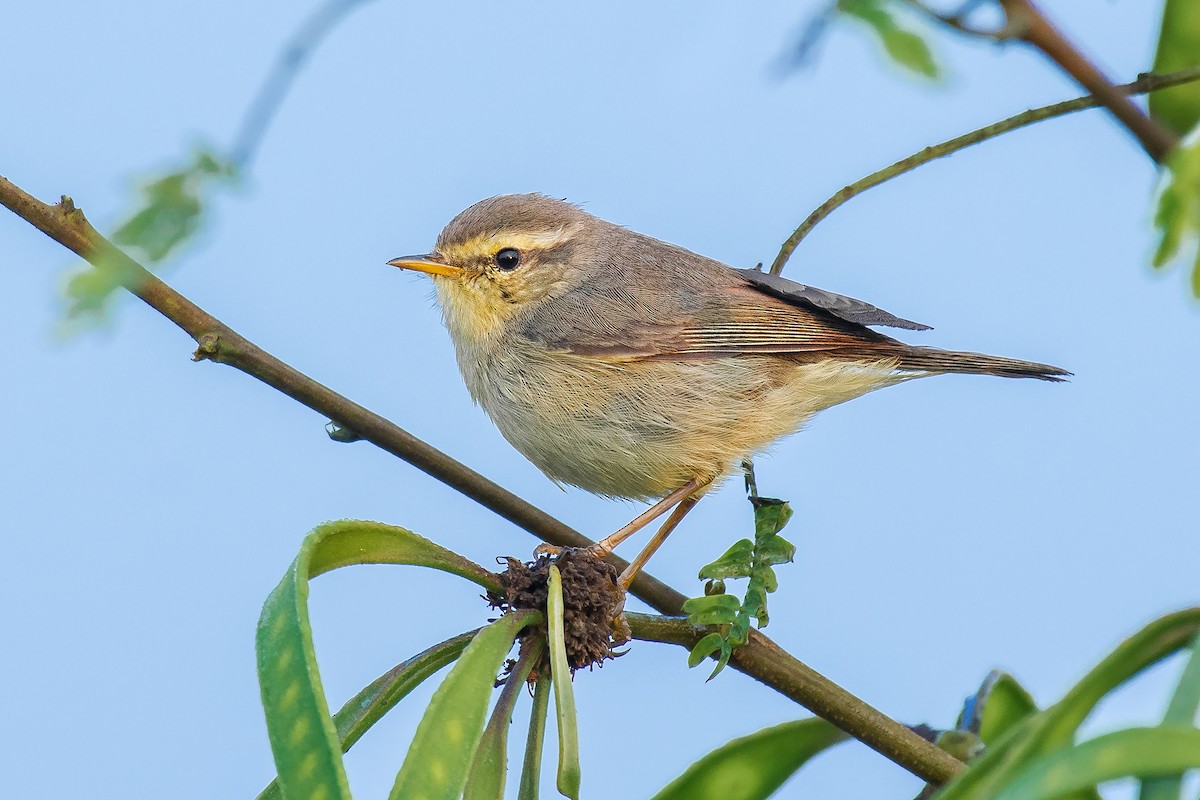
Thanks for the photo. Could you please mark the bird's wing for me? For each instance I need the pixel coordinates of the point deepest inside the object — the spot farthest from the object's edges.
(839, 305)
(746, 317)
(748, 321)
(651, 300)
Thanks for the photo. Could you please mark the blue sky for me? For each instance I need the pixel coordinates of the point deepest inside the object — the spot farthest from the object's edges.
(944, 527)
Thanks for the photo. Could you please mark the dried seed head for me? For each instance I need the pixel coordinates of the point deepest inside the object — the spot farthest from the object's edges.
(593, 603)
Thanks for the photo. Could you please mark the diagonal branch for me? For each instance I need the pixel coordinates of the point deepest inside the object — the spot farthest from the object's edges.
(1024, 21)
(1144, 84)
(1033, 27)
(760, 658)
(218, 342)
(769, 663)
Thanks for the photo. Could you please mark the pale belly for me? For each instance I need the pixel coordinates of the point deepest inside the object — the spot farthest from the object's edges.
(642, 429)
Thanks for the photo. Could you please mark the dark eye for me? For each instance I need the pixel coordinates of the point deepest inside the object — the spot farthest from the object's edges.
(508, 259)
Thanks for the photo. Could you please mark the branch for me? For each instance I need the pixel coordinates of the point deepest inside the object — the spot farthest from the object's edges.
(1023, 20)
(272, 91)
(1033, 27)
(218, 342)
(770, 664)
(958, 21)
(760, 658)
(1144, 84)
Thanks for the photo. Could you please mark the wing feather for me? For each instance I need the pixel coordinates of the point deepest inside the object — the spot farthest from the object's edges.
(847, 308)
(712, 310)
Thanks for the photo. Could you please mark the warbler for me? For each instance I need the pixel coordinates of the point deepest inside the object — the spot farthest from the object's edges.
(634, 368)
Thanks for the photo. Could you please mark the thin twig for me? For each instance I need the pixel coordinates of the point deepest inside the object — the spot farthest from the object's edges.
(958, 21)
(1144, 84)
(272, 91)
(1033, 27)
(811, 34)
(766, 661)
(760, 658)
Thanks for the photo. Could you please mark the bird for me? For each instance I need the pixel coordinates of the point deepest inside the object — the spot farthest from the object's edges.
(634, 368)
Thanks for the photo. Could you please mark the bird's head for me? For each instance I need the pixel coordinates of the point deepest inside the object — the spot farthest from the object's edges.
(501, 256)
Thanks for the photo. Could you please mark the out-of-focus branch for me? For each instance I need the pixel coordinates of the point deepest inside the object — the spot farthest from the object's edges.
(958, 20)
(1033, 27)
(1144, 84)
(760, 658)
(270, 95)
(1024, 21)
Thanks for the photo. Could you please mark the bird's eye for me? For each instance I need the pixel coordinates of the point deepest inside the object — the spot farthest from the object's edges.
(508, 259)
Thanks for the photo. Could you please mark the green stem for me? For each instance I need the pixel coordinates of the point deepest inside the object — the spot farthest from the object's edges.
(531, 770)
(1144, 84)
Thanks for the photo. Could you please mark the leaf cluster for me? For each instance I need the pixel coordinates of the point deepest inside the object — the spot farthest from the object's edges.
(755, 560)
(453, 753)
(1178, 214)
(1015, 751)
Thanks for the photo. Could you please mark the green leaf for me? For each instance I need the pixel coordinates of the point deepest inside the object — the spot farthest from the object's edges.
(713, 609)
(347, 542)
(564, 694)
(1147, 647)
(490, 766)
(1180, 711)
(963, 745)
(437, 762)
(1178, 47)
(747, 559)
(770, 517)
(531, 769)
(89, 290)
(712, 643)
(909, 50)
(775, 550)
(1054, 728)
(768, 578)
(1137, 752)
(999, 705)
(733, 563)
(755, 602)
(1186, 699)
(170, 211)
(905, 47)
(1178, 215)
(368, 706)
(172, 206)
(304, 740)
(754, 766)
(170, 215)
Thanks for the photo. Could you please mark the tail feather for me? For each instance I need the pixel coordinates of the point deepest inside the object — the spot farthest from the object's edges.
(931, 359)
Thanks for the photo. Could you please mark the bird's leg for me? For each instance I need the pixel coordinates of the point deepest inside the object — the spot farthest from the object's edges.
(751, 483)
(608, 543)
(635, 566)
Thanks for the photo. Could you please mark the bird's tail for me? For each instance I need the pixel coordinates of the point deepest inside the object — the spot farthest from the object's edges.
(931, 359)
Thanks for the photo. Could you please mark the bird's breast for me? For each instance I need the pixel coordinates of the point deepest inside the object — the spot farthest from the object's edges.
(636, 429)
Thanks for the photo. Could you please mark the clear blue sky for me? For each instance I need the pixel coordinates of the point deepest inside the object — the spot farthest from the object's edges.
(944, 527)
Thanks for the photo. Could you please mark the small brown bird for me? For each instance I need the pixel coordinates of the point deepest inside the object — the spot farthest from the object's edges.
(633, 368)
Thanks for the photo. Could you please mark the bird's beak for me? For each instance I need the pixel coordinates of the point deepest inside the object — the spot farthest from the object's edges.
(431, 263)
